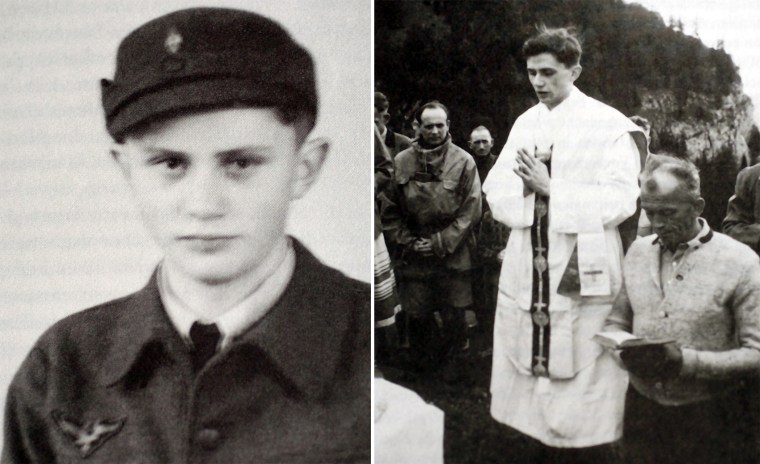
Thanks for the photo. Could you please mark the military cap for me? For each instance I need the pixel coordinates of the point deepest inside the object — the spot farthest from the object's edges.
(202, 58)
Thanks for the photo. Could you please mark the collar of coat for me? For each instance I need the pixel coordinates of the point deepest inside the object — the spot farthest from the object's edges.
(434, 157)
(301, 335)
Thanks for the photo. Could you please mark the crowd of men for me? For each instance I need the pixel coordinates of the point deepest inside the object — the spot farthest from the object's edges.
(541, 243)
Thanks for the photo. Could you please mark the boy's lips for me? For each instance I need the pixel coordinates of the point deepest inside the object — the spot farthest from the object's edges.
(206, 242)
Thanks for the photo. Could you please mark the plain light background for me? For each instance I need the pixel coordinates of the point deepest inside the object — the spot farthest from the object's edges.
(70, 237)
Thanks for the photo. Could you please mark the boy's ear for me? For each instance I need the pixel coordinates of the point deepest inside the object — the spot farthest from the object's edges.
(118, 153)
(311, 158)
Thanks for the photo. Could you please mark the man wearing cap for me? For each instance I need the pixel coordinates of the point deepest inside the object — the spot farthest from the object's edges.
(242, 347)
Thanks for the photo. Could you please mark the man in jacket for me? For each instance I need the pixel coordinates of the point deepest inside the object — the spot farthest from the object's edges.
(430, 225)
(742, 220)
(394, 142)
(700, 290)
(242, 347)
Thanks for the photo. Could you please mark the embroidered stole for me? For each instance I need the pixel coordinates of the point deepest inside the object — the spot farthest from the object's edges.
(539, 309)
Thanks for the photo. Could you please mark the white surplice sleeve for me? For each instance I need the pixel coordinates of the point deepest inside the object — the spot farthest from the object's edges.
(504, 189)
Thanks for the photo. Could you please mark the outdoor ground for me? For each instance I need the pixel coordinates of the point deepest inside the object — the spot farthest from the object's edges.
(461, 390)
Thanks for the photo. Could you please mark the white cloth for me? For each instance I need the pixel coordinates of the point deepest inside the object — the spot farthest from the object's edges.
(593, 188)
(239, 318)
(407, 430)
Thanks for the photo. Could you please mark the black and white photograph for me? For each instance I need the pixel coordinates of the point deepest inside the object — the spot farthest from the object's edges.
(186, 230)
(569, 218)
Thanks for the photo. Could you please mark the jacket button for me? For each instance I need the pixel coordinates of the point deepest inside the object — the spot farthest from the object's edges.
(208, 438)
(679, 277)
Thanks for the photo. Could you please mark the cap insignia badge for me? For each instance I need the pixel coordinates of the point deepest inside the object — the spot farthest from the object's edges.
(173, 41)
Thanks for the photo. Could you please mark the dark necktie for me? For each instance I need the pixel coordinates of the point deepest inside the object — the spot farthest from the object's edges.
(205, 338)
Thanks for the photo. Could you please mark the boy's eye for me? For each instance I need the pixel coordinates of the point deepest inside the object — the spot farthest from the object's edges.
(173, 163)
(170, 162)
(243, 162)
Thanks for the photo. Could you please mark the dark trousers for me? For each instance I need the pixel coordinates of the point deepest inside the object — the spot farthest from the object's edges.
(488, 277)
(718, 431)
(447, 294)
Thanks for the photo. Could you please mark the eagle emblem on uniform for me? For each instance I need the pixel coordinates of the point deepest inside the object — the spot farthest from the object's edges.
(87, 436)
(173, 41)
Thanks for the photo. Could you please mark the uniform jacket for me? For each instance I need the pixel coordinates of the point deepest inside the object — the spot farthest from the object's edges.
(710, 310)
(114, 384)
(437, 196)
(742, 220)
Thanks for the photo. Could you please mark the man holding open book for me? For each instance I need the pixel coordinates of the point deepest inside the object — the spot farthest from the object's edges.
(701, 290)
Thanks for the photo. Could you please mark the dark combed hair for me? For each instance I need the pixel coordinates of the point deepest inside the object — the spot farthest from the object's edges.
(430, 105)
(562, 42)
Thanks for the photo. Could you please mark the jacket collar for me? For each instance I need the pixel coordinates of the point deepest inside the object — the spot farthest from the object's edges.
(140, 322)
(432, 159)
(301, 328)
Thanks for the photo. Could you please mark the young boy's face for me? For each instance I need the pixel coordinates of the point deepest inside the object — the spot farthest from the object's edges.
(214, 188)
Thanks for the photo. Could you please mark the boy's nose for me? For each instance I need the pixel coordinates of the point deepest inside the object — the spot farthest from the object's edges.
(205, 196)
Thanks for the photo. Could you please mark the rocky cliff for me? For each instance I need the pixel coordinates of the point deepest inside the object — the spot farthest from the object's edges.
(700, 128)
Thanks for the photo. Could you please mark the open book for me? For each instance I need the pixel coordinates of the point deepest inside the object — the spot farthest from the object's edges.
(618, 339)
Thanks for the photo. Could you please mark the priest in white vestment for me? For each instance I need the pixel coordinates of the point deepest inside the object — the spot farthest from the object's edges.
(565, 180)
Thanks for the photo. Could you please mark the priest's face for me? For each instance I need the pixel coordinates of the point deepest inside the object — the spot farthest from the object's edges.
(551, 79)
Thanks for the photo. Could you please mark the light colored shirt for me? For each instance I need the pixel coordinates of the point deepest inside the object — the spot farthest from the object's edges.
(671, 261)
(240, 317)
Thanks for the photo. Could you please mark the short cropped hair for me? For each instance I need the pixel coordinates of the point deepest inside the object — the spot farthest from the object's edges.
(683, 170)
(480, 128)
(560, 42)
(430, 105)
(381, 101)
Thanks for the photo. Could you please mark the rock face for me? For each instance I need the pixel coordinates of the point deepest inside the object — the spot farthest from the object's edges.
(696, 128)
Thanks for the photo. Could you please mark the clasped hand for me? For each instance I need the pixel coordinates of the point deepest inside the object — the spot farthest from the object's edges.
(534, 173)
(423, 246)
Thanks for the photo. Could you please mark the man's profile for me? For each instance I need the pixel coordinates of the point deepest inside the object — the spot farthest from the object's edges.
(242, 346)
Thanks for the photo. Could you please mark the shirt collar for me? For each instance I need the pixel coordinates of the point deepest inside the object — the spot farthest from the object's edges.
(301, 327)
(705, 235)
(241, 316)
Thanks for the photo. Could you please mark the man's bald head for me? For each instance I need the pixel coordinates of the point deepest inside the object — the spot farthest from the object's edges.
(671, 199)
(665, 174)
